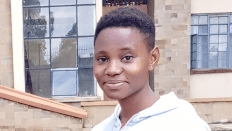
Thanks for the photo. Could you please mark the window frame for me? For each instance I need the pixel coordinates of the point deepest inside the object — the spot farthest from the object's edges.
(229, 32)
(18, 52)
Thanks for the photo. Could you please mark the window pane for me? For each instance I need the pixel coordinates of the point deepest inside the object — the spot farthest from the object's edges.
(37, 53)
(231, 28)
(214, 47)
(213, 56)
(63, 21)
(203, 40)
(63, 2)
(194, 39)
(223, 20)
(213, 38)
(199, 55)
(213, 64)
(63, 53)
(194, 30)
(230, 18)
(203, 20)
(213, 29)
(194, 48)
(222, 28)
(35, 22)
(222, 47)
(193, 64)
(214, 20)
(221, 63)
(194, 55)
(38, 82)
(230, 51)
(203, 30)
(205, 49)
(199, 64)
(86, 82)
(35, 2)
(64, 83)
(86, 20)
(222, 55)
(85, 1)
(85, 51)
(222, 38)
(194, 20)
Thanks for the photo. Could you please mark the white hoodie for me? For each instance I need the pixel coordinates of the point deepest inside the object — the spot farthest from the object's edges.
(168, 114)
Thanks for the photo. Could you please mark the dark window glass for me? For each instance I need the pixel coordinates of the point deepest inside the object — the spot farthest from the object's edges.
(35, 2)
(85, 52)
(36, 21)
(37, 53)
(38, 82)
(203, 30)
(86, 82)
(63, 52)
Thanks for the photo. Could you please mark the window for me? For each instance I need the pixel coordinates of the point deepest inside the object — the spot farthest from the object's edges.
(123, 2)
(211, 41)
(58, 41)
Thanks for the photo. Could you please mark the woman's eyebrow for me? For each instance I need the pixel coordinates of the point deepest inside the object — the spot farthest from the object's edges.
(100, 52)
(126, 48)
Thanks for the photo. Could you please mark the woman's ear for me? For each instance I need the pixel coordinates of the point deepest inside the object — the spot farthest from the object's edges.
(154, 58)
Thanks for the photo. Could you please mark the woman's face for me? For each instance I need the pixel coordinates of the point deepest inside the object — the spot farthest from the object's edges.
(122, 62)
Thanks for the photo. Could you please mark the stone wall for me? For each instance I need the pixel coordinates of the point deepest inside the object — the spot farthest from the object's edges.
(172, 21)
(19, 117)
(216, 112)
(6, 56)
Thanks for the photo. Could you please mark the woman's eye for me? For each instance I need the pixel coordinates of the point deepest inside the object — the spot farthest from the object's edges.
(127, 58)
(102, 59)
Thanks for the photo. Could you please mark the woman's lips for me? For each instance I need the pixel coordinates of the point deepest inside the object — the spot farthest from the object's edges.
(114, 84)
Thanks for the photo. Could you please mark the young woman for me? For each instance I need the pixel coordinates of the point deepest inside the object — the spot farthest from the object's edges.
(124, 56)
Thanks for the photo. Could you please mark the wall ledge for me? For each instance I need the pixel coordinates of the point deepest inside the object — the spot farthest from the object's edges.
(191, 100)
(100, 103)
(39, 102)
(75, 99)
(208, 100)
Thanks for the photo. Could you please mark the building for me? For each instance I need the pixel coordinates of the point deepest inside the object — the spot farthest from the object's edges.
(47, 46)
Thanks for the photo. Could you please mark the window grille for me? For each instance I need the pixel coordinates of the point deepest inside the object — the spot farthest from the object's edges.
(58, 41)
(124, 2)
(211, 41)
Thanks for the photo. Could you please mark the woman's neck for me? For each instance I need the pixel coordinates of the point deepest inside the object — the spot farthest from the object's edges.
(136, 102)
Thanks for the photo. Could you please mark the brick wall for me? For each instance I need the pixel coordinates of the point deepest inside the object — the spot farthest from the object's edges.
(172, 20)
(6, 56)
(19, 117)
(96, 114)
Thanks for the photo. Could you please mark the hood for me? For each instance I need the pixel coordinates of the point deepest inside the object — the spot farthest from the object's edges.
(165, 104)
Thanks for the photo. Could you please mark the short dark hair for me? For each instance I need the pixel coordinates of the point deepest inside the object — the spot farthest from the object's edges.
(128, 17)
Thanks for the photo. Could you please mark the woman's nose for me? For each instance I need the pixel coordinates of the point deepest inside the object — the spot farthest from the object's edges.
(113, 68)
